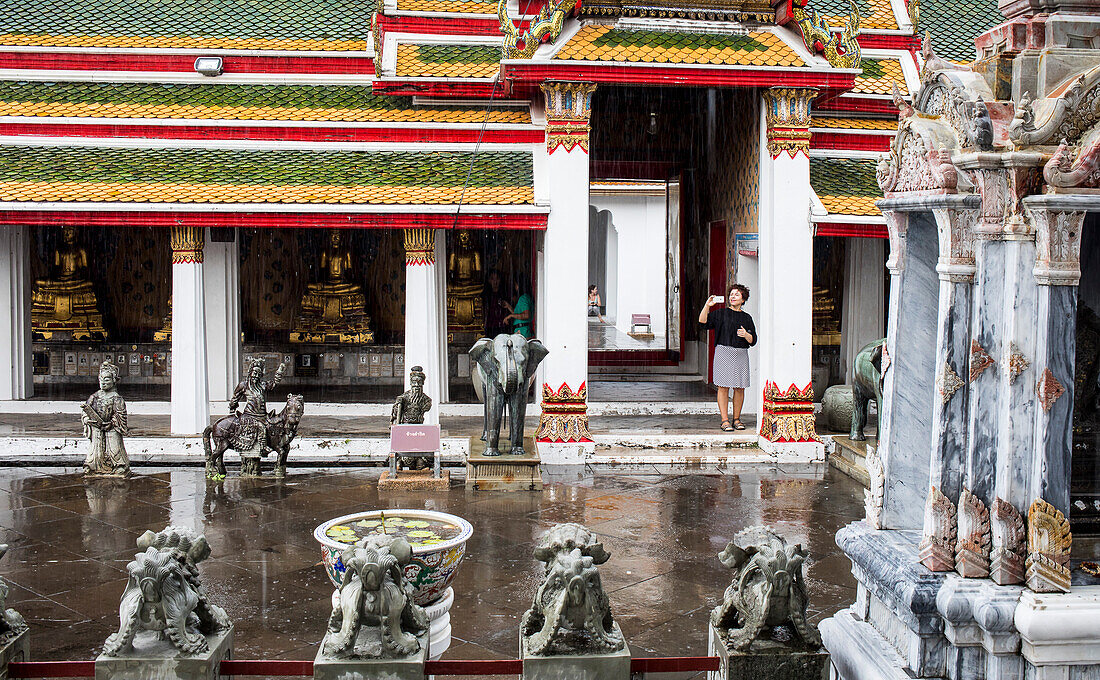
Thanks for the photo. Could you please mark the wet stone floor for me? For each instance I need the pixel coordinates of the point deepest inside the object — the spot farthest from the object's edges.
(69, 543)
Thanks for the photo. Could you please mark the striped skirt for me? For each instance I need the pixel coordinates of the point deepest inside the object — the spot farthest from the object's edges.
(731, 366)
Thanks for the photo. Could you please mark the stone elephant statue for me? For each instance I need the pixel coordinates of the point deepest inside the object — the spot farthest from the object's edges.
(504, 368)
(866, 383)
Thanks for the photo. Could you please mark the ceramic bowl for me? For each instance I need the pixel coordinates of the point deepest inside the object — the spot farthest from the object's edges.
(433, 566)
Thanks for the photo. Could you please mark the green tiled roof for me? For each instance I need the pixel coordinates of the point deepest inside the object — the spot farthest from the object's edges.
(242, 102)
(458, 54)
(955, 24)
(843, 176)
(270, 20)
(222, 166)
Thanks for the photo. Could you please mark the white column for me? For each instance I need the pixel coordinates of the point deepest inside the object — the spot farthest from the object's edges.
(863, 312)
(221, 278)
(422, 315)
(15, 305)
(786, 274)
(440, 305)
(563, 327)
(190, 394)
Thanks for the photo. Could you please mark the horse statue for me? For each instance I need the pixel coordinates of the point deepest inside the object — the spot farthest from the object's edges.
(281, 430)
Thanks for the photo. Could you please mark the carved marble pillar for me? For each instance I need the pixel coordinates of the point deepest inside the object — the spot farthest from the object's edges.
(563, 328)
(424, 315)
(786, 262)
(948, 454)
(16, 381)
(1057, 273)
(190, 391)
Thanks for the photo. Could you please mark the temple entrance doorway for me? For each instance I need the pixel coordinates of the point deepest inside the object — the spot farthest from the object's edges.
(1085, 465)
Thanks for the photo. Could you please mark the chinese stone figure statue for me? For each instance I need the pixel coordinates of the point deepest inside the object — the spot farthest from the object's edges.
(253, 432)
(11, 622)
(410, 408)
(570, 613)
(465, 285)
(165, 597)
(767, 591)
(374, 615)
(67, 303)
(334, 310)
(104, 420)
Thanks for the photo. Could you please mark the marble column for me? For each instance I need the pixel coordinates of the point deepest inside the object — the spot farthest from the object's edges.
(221, 279)
(863, 313)
(16, 381)
(786, 273)
(190, 392)
(563, 328)
(423, 340)
(1057, 273)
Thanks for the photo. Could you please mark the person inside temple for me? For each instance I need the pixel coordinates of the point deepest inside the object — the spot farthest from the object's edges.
(496, 307)
(522, 313)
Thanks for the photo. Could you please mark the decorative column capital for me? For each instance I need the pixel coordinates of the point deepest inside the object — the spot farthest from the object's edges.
(187, 244)
(568, 110)
(419, 246)
(787, 113)
(788, 416)
(897, 223)
(955, 228)
(1057, 245)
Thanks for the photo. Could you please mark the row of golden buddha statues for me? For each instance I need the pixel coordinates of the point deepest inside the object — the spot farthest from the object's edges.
(331, 311)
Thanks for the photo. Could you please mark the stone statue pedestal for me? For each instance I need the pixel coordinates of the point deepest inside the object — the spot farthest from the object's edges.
(414, 480)
(504, 472)
(408, 668)
(14, 648)
(155, 658)
(611, 666)
(765, 660)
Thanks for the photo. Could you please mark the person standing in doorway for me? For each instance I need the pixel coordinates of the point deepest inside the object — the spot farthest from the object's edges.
(522, 314)
(734, 334)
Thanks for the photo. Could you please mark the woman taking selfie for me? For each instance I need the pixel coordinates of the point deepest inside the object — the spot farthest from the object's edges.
(734, 334)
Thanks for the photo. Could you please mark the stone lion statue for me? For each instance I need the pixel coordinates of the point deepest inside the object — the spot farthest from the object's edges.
(11, 623)
(374, 592)
(164, 594)
(767, 591)
(570, 613)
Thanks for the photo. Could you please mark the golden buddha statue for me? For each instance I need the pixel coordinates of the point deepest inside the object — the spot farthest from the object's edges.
(67, 304)
(465, 306)
(165, 332)
(334, 310)
(826, 324)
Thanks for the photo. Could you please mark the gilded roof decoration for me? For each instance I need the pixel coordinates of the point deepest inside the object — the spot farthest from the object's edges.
(890, 124)
(606, 43)
(545, 27)
(208, 24)
(722, 10)
(879, 76)
(873, 14)
(77, 174)
(447, 61)
(845, 186)
(350, 103)
(841, 49)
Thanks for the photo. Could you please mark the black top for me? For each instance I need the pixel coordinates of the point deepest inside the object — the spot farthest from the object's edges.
(725, 322)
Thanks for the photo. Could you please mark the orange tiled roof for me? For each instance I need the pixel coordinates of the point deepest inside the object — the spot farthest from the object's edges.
(457, 6)
(606, 43)
(873, 14)
(447, 61)
(879, 77)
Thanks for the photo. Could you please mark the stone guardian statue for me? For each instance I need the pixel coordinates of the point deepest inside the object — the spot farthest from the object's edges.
(104, 419)
(410, 409)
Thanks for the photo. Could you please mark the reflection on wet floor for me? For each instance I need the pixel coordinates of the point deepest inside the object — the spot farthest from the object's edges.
(605, 335)
(70, 542)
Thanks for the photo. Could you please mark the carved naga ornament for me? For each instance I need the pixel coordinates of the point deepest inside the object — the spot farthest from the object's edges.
(1067, 170)
(972, 551)
(570, 613)
(767, 591)
(164, 594)
(545, 27)
(841, 49)
(937, 547)
(1048, 545)
(1068, 116)
(1009, 537)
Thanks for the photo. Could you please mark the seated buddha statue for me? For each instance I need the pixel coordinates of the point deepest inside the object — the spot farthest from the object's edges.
(66, 303)
(333, 310)
(464, 287)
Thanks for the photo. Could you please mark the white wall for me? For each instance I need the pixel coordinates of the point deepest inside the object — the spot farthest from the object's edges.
(639, 224)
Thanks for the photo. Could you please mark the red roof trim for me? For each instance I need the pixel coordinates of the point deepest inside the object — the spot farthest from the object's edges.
(653, 74)
(489, 28)
(394, 220)
(880, 41)
(183, 63)
(854, 105)
(850, 141)
(445, 88)
(852, 230)
(274, 133)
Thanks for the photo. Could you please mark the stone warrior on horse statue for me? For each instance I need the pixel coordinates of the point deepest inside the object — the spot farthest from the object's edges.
(253, 432)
